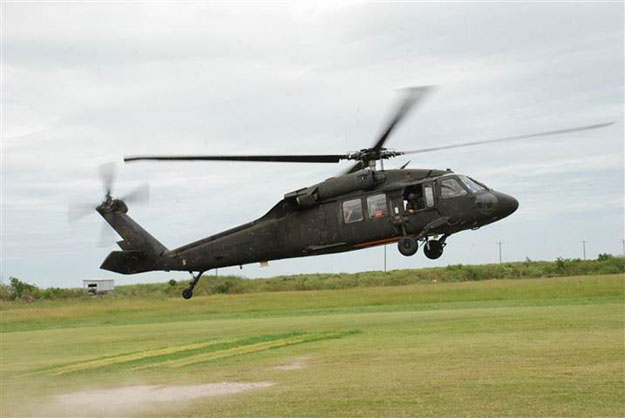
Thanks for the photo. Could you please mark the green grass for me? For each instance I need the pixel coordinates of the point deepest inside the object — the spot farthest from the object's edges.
(541, 347)
(118, 311)
(187, 354)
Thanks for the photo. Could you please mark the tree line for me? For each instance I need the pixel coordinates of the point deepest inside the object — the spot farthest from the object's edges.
(21, 291)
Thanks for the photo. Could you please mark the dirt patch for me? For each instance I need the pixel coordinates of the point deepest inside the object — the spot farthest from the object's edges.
(132, 399)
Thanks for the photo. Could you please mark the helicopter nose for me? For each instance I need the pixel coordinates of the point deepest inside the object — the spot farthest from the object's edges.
(506, 205)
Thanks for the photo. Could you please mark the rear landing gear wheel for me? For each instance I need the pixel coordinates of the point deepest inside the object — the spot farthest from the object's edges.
(433, 249)
(188, 292)
(407, 246)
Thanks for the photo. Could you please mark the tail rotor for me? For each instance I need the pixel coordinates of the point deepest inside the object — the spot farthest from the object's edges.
(108, 173)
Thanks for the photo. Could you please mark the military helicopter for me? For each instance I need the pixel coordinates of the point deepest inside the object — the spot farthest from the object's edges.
(362, 207)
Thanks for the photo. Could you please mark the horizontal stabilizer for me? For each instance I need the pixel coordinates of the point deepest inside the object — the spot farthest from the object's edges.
(130, 262)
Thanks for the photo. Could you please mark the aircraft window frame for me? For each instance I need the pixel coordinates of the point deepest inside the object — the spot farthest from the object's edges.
(381, 206)
(480, 183)
(471, 184)
(461, 191)
(429, 197)
(352, 211)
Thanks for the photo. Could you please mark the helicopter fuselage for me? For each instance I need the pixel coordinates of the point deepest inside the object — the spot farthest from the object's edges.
(344, 213)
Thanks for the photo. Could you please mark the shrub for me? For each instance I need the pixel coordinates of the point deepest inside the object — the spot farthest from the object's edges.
(229, 286)
(5, 292)
(22, 290)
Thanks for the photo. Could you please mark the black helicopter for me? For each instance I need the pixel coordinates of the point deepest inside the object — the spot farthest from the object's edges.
(360, 208)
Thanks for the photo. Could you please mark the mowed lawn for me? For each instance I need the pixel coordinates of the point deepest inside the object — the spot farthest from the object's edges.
(539, 347)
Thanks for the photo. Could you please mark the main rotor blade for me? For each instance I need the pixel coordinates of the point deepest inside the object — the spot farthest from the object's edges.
(513, 138)
(412, 96)
(356, 167)
(331, 158)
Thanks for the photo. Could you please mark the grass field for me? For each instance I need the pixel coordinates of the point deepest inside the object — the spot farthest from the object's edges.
(525, 347)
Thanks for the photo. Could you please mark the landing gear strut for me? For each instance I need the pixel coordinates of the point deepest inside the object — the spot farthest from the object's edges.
(188, 292)
(433, 249)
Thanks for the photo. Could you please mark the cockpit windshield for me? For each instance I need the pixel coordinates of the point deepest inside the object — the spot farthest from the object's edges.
(471, 184)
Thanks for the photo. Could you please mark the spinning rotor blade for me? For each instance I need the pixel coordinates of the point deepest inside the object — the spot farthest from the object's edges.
(512, 138)
(332, 158)
(139, 195)
(107, 176)
(77, 212)
(356, 167)
(412, 97)
(107, 236)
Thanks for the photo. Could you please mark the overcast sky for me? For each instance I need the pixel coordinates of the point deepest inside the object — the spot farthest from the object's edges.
(87, 83)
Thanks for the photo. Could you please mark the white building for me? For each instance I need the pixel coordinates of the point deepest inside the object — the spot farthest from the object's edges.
(98, 286)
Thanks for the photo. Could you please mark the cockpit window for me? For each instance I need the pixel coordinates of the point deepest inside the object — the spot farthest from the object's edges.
(451, 188)
(471, 184)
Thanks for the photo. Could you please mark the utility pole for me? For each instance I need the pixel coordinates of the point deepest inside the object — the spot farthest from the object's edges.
(584, 248)
(384, 258)
(499, 243)
(216, 272)
(623, 247)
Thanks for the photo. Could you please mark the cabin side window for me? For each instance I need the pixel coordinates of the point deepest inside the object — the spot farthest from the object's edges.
(451, 188)
(352, 211)
(377, 207)
(429, 195)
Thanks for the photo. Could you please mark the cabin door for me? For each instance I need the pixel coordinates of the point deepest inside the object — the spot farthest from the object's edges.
(321, 224)
(418, 198)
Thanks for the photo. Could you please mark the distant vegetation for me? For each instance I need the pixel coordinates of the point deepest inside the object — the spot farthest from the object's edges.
(18, 290)
(22, 291)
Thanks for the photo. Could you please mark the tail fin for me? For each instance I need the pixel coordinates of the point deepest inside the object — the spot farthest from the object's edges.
(141, 252)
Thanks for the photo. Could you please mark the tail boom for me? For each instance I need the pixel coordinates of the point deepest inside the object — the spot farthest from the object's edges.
(141, 252)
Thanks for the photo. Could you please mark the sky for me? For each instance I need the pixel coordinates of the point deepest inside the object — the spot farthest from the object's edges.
(85, 84)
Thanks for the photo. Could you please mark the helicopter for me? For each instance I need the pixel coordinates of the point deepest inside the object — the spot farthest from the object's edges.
(359, 208)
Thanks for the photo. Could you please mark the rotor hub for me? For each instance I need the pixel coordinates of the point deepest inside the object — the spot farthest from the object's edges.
(369, 156)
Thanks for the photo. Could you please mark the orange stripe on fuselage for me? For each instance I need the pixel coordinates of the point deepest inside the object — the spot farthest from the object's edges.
(378, 242)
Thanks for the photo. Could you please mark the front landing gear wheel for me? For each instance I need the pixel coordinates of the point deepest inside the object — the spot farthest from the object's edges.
(433, 249)
(407, 246)
(187, 293)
